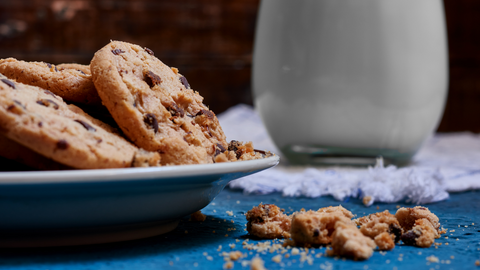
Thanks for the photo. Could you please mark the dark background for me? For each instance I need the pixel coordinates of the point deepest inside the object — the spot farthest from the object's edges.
(210, 41)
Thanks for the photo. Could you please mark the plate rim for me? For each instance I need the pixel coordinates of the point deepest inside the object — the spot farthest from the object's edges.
(138, 174)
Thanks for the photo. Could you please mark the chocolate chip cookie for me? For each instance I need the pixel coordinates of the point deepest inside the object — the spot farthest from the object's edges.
(72, 84)
(155, 106)
(41, 121)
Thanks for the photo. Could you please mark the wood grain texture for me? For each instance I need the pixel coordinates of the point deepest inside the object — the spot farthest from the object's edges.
(210, 41)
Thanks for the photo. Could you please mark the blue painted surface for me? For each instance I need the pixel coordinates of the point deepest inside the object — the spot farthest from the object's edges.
(195, 245)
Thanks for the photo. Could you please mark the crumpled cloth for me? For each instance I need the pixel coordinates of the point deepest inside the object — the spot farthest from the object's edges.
(448, 162)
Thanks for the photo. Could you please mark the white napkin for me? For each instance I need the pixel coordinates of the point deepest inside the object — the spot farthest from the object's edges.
(446, 163)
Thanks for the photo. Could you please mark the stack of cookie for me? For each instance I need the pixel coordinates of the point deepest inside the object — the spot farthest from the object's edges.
(55, 117)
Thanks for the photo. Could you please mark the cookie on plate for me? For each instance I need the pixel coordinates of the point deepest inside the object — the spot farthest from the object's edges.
(154, 105)
(40, 120)
(72, 84)
(13, 151)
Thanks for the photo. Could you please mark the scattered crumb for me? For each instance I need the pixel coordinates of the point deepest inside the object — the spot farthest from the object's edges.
(433, 259)
(257, 264)
(477, 263)
(277, 258)
(230, 213)
(367, 200)
(228, 265)
(235, 255)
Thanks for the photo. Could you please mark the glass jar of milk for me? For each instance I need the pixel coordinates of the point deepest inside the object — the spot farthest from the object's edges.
(346, 81)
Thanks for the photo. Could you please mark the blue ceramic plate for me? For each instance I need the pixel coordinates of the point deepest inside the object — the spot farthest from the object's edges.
(52, 208)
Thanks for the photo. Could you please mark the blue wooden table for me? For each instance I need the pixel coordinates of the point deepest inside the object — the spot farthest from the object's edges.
(200, 245)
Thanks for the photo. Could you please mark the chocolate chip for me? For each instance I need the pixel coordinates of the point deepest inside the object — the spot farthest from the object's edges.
(409, 238)
(19, 103)
(148, 51)
(176, 111)
(152, 79)
(316, 232)
(50, 66)
(208, 130)
(151, 120)
(207, 113)
(233, 146)
(219, 149)
(422, 208)
(15, 108)
(62, 144)
(40, 124)
(81, 72)
(395, 230)
(50, 93)
(48, 103)
(222, 149)
(117, 51)
(9, 83)
(184, 81)
(263, 153)
(85, 125)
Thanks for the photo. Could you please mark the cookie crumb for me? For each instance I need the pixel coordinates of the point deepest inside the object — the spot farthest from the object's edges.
(228, 265)
(367, 200)
(257, 264)
(433, 259)
(235, 255)
(277, 258)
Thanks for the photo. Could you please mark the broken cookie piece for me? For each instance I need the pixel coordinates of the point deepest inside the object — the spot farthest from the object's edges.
(408, 216)
(313, 228)
(268, 221)
(336, 209)
(348, 241)
(382, 227)
(422, 234)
